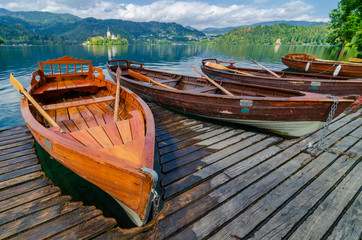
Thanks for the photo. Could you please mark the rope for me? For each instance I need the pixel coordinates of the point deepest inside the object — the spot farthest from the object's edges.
(327, 68)
(156, 203)
(328, 121)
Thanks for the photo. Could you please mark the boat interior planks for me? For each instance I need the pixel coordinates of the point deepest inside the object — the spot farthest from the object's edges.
(224, 182)
(31, 207)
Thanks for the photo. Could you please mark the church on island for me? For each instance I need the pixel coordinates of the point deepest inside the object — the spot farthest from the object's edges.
(109, 35)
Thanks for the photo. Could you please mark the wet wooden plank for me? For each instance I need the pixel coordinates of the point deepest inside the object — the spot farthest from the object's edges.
(88, 229)
(218, 166)
(349, 227)
(23, 178)
(14, 138)
(19, 172)
(312, 181)
(26, 155)
(327, 212)
(17, 151)
(32, 206)
(275, 156)
(27, 197)
(22, 224)
(18, 166)
(61, 223)
(216, 152)
(23, 188)
(15, 145)
(172, 152)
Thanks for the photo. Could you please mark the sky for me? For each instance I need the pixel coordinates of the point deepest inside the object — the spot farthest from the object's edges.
(199, 14)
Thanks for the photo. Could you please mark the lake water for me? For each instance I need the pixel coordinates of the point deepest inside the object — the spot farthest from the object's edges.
(23, 60)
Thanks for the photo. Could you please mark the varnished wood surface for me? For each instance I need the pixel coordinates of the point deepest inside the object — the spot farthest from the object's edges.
(31, 207)
(222, 182)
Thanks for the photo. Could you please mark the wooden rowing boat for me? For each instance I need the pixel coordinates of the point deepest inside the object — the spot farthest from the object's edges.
(310, 63)
(325, 84)
(117, 156)
(282, 111)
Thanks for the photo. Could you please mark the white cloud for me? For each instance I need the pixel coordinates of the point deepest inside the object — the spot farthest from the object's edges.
(198, 14)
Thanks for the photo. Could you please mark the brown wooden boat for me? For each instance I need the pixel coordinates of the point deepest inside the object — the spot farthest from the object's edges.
(311, 63)
(117, 156)
(325, 84)
(285, 112)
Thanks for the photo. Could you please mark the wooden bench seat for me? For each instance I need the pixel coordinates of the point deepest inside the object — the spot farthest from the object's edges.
(202, 89)
(68, 84)
(167, 81)
(78, 103)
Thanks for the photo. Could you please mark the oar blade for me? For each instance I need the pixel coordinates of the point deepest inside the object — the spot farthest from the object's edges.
(17, 85)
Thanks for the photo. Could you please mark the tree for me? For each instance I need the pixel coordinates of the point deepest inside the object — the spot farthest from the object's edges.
(346, 24)
(2, 40)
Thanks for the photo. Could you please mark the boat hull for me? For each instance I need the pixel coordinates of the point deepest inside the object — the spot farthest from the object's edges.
(308, 82)
(321, 67)
(115, 152)
(268, 114)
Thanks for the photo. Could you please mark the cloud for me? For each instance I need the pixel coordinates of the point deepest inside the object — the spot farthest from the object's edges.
(197, 14)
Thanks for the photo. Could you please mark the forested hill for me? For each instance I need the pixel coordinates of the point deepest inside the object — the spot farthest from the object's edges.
(46, 28)
(219, 31)
(288, 34)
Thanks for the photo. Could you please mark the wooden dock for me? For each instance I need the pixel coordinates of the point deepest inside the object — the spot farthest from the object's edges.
(219, 182)
(31, 207)
(227, 183)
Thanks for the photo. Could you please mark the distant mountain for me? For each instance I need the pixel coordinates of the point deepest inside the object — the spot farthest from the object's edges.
(295, 23)
(4, 11)
(72, 29)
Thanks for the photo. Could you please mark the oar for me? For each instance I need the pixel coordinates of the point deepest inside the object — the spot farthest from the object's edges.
(271, 72)
(21, 89)
(146, 79)
(213, 82)
(221, 67)
(116, 106)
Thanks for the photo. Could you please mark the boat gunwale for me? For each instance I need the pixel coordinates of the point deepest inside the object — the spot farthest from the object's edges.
(339, 79)
(308, 96)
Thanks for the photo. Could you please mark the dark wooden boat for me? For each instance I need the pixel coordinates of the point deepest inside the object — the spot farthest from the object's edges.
(117, 156)
(310, 63)
(325, 84)
(285, 112)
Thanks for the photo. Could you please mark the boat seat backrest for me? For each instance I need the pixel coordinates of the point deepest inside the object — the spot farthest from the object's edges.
(66, 66)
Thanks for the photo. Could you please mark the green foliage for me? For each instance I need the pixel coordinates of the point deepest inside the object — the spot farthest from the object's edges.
(288, 34)
(345, 26)
(67, 28)
(106, 41)
(2, 40)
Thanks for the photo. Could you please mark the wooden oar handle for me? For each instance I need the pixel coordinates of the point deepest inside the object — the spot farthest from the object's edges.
(21, 89)
(213, 82)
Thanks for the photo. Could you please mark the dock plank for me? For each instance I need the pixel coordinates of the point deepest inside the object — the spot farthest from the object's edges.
(257, 186)
(31, 207)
